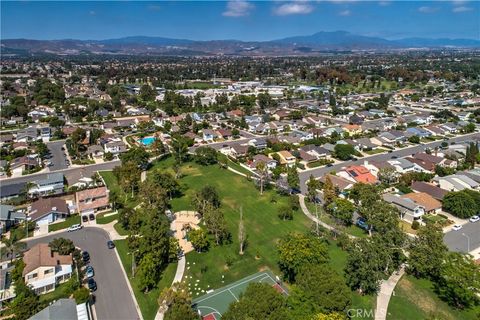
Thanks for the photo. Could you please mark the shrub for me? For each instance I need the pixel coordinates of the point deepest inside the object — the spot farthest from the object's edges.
(81, 295)
(415, 225)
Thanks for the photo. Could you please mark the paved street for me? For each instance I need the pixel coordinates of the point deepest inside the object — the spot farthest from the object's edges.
(58, 155)
(458, 240)
(319, 172)
(113, 298)
(71, 173)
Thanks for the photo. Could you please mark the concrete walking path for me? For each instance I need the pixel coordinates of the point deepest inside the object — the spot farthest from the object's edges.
(178, 278)
(386, 290)
(305, 210)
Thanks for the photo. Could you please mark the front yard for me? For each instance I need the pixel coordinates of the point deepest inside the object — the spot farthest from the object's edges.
(73, 219)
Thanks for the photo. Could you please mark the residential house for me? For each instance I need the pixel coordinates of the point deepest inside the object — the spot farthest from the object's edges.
(316, 151)
(48, 210)
(430, 204)
(430, 189)
(409, 210)
(6, 139)
(115, 147)
(95, 151)
(10, 191)
(340, 183)
(352, 129)
(269, 162)
(27, 135)
(356, 119)
(403, 165)
(92, 200)
(225, 133)
(44, 269)
(417, 131)
(65, 309)
(9, 217)
(456, 182)
(52, 184)
(209, 135)
(22, 164)
(286, 158)
(358, 174)
(258, 143)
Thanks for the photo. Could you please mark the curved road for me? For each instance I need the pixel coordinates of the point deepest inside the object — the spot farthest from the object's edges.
(113, 298)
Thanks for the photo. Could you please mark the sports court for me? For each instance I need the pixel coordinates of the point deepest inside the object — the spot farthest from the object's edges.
(212, 305)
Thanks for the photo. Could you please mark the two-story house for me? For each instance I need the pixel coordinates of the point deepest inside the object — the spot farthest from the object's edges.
(92, 200)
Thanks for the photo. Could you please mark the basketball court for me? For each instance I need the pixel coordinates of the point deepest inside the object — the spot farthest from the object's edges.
(212, 305)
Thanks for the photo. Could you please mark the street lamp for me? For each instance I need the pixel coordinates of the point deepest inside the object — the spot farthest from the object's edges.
(468, 241)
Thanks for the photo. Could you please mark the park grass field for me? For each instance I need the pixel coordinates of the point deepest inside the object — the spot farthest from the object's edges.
(415, 299)
(263, 229)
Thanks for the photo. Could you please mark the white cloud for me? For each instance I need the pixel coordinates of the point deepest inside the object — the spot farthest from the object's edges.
(345, 13)
(238, 8)
(293, 8)
(461, 9)
(426, 9)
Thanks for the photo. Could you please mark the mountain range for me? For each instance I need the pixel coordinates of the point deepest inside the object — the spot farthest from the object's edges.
(298, 45)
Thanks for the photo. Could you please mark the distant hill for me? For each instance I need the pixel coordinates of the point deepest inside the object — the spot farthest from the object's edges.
(299, 45)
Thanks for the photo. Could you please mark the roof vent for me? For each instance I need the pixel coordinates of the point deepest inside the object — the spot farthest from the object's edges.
(54, 208)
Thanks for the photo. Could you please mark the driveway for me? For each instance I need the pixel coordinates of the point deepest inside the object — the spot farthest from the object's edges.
(459, 240)
(58, 155)
(113, 298)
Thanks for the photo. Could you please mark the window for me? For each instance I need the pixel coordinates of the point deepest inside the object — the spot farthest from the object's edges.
(32, 276)
(48, 271)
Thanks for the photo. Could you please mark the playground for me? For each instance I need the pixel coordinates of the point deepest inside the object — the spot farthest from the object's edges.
(212, 305)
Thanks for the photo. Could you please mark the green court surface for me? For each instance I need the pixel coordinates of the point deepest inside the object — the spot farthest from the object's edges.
(212, 305)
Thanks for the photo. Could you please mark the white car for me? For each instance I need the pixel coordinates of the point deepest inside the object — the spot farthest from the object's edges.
(457, 227)
(74, 227)
(474, 219)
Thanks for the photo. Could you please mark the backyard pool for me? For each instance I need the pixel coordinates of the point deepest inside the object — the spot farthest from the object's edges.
(147, 141)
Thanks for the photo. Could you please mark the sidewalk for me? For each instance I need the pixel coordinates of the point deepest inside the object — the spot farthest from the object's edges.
(386, 290)
(305, 210)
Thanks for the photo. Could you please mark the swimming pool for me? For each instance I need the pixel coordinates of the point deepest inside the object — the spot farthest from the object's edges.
(147, 141)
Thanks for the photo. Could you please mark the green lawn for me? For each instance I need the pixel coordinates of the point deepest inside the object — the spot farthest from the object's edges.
(416, 299)
(147, 301)
(112, 184)
(375, 151)
(101, 219)
(73, 219)
(263, 228)
(120, 229)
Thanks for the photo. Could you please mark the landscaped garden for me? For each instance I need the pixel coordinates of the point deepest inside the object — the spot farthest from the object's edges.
(73, 219)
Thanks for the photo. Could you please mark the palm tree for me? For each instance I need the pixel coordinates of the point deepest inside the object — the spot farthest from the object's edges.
(12, 246)
(262, 172)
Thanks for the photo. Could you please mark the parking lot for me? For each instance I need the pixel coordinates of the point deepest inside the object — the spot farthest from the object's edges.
(467, 239)
(57, 155)
(113, 298)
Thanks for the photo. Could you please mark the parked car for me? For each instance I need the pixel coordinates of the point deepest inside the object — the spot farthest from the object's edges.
(474, 219)
(89, 272)
(457, 227)
(110, 244)
(91, 216)
(362, 223)
(85, 256)
(394, 157)
(74, 227)
(92, 285)
(84, 218)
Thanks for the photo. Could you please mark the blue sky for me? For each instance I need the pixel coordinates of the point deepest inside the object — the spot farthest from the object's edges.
(242, 20)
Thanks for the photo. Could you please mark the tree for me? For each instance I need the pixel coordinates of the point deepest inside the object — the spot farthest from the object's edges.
(208, 195)
(259, 301)
(471, 154)
(462, 204)
(343, 210)
(427, 252)
(62, 246)
(296, 250)
(147, 93)
(147, 273)
(344, 151)
(329, 192)
(364, 194)
(414, 139)
(138, 155)
(325, 287)
(128, 175)
(178, 302)
(166, 181)
(153, 194)
(242, 235)
(198, 239)
(180, 149)
(459, 281)
(205, 156)
(387, 175)
(262, 172)
(12, 246)
(365, 265)
(285, 212)
(41, 149)
(292, 178)
(174, 249)
(330, 316)
(312, 186)
(215, 222)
